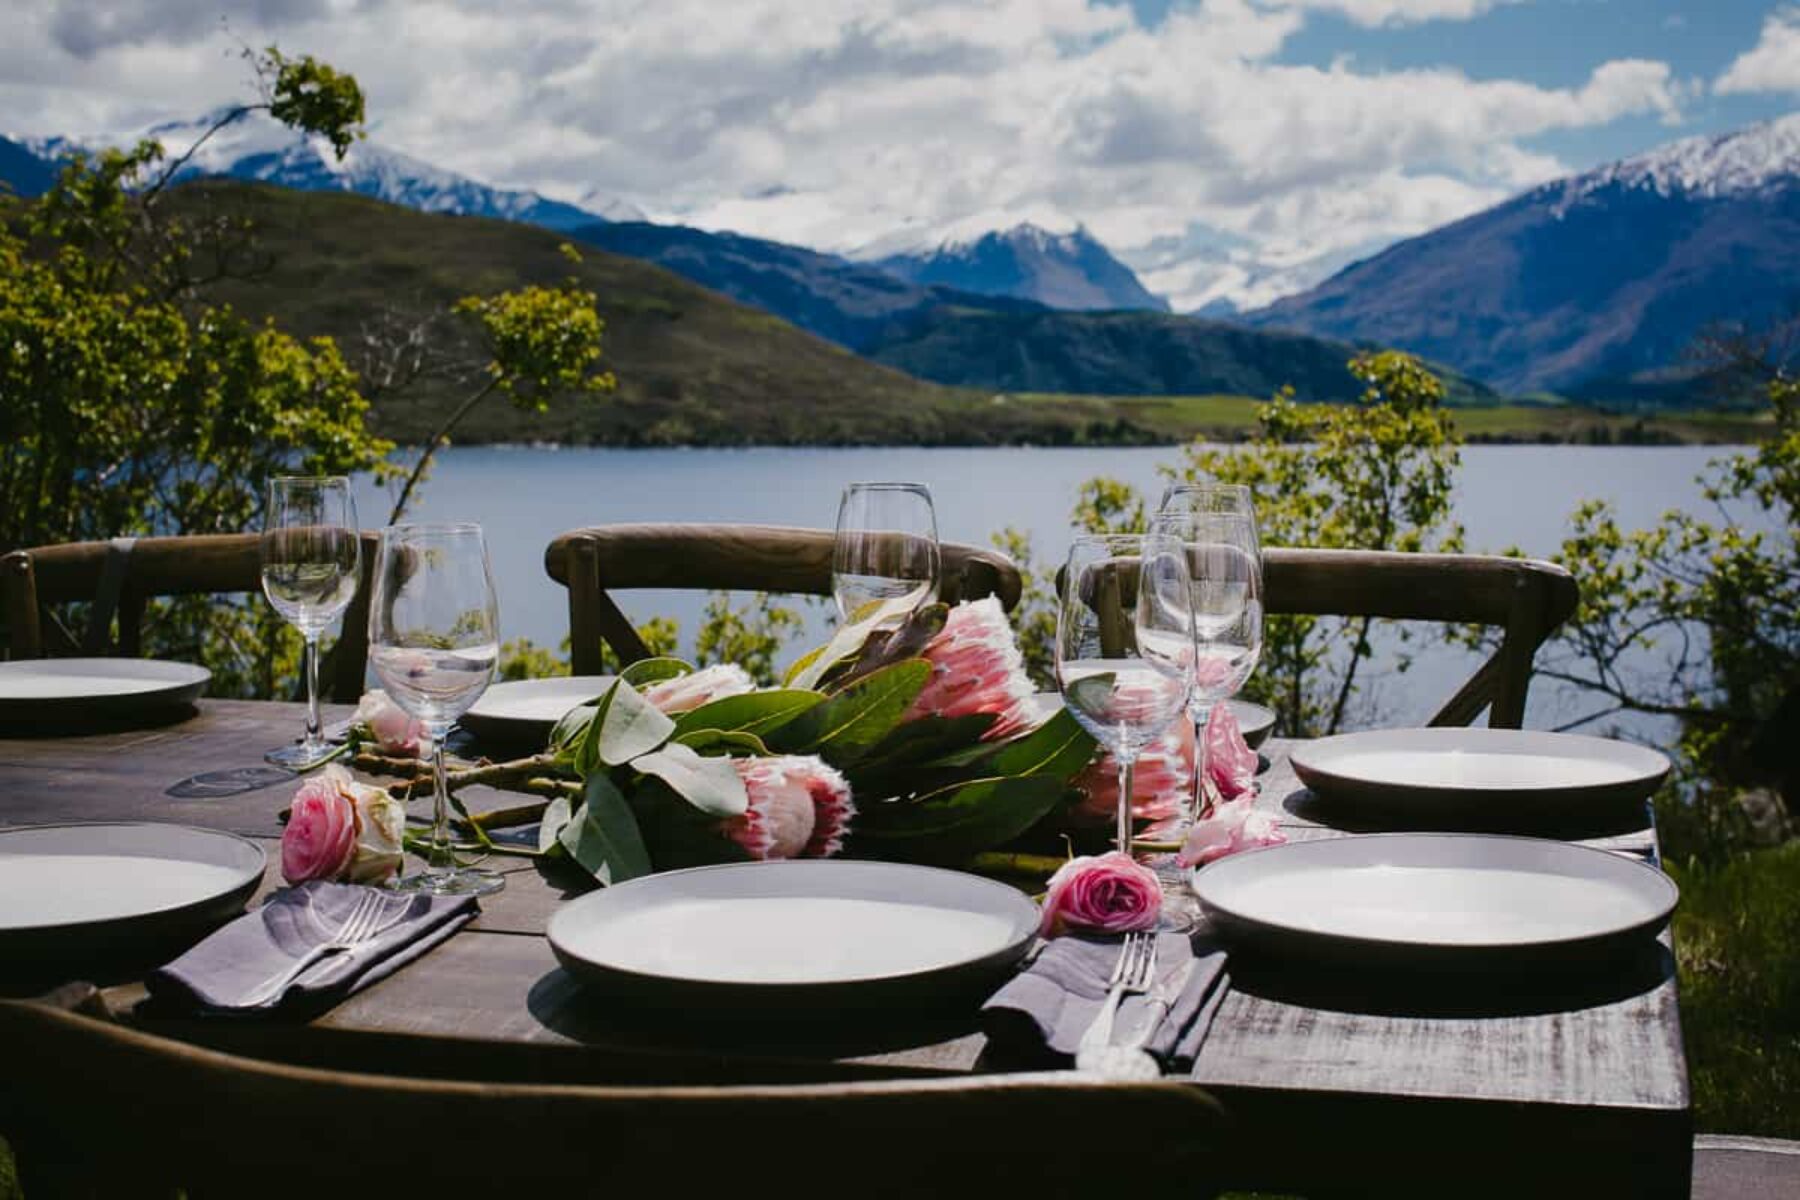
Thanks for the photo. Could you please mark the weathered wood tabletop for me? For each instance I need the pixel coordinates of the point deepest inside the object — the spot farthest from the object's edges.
(1341, 1081)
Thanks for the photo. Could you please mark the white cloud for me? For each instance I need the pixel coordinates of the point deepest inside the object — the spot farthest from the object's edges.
(1773, 64)
(838, 122)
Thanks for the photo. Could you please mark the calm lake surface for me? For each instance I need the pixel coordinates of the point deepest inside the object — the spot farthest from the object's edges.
(524, 496)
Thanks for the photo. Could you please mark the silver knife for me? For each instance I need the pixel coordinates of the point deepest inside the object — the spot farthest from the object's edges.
(1162, 999)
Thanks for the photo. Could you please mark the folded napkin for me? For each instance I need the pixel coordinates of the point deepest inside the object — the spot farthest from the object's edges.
(1043, 1011)
(225, 973)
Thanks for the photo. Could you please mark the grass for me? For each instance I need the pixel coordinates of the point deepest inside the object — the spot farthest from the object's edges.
(1737, 945)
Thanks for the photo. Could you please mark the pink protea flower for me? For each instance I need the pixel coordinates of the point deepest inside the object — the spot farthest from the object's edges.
(1106, 893)
(393, 730)
(688, 692)
(976, 668)
(1228, 827)
(1230, 762)
(799, 808)
(1161, 783)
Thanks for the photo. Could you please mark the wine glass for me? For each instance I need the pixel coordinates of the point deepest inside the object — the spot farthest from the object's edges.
(434, 637)
(311, 556)
(885, 558)
(1209, 499)
(1224, 558)
(1125, 646)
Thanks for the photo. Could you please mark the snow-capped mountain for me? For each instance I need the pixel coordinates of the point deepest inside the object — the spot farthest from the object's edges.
(1063, 269)
(257, 147)
(1598, 284)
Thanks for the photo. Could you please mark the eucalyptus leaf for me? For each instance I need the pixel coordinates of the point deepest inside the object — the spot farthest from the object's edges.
(858, 717)
(629, 726)
(711, 785)
(605, 838)
(587, 751)
(556, 815)
(752, 712)
(655, 670)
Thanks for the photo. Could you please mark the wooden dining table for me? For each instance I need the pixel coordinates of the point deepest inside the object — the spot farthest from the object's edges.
(1336, 1081)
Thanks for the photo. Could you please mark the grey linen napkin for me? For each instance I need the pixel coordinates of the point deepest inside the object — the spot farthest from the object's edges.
(223, 973)
(1043, 1011)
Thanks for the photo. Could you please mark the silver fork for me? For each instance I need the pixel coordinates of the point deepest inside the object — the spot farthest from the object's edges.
(363, 923)
(1131, 975)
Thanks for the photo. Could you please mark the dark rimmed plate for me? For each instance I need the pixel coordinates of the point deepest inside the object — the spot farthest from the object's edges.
(57, 690)
(526, 710)
(835, 932)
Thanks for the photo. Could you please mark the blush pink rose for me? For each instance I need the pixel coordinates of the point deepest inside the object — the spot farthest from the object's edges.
(688, 692)
(1106, 893)
(1230, 762)
(976, 668)
(320, 838)
(1227, 828)
(393, 730)
(1161, 784)
(799, 808)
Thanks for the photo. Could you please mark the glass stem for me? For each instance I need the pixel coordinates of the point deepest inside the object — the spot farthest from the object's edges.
(1126, 765)
(313, 736)
(440, 862)
(1201, 715)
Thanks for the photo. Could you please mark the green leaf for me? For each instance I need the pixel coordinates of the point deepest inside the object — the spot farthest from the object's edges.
(587, 753)
(711, 785)
(848, 640)
(857, 717)
(724, 741)
(629, 726)
(921, 740)
(753, 712)
(605, 838)
(958, 822)
(1059, 748)
(557, 814)
(655, 670)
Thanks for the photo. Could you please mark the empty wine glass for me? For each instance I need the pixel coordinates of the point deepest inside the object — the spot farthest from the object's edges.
(1224, 558)
(884, 560)
(434, 637)
(1125, 646)
(311, 556)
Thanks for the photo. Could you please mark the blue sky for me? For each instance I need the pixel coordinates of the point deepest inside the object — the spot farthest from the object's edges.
(1228, 150)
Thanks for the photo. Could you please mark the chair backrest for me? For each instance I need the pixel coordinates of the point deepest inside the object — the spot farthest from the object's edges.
(1526, 599)
(763, 558)
(90, 1102)
(121, 576)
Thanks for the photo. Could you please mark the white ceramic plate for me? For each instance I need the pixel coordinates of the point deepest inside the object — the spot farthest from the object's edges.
(527, 709)
(1501, 779)
(66, 886)
(45, 689)
(1435, 896)
(836, 929)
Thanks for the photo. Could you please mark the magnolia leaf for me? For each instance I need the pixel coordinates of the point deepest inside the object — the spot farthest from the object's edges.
(753, 712)
(587, 751)
(556, 815)
(605, 838)
(881, 648)
(858, 717)
(954, 824)
(723, 741)
(655, 670)
(848, 640)
(920, 740)
(1059, 748)
(711, 785)
(629, 726)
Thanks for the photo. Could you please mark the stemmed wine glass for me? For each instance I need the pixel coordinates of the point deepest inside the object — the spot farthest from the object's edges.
(434, 637)
(1125, 646)
(885, 557)
(311, 556)
(1224, 556)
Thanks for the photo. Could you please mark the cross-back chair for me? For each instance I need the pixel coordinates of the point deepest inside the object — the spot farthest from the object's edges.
(118, 579)
(1526, 599)
(125, 1112)
(763, 558)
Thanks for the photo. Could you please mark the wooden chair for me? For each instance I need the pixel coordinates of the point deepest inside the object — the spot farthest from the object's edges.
(96, 1108)
(119, 578)
(1525, 598)
(764, 558)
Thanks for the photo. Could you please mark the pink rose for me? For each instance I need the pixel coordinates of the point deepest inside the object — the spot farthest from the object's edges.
(340, 829)
(1161, 784)
(1230, 762)
(320, 838)
(799, 808)
(976, 668)
(393, 730)
(688, 692)
(1227, 828)
(1108, 893)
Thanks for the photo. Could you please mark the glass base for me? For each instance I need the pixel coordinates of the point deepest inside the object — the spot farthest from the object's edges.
(463, 881)
(302, 756)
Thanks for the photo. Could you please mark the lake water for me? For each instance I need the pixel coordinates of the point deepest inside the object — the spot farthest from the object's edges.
(524, 496)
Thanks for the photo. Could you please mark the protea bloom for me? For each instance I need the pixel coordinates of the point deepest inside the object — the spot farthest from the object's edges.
(976, 668)
(799, 808)
(690, 691)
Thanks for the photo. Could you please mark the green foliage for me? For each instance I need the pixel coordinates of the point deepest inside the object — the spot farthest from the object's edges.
(1106, 505)
(522, 658)
(751, 634)
(310, 95)
(1376, 475)
(541, 340)
(1034, 619)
